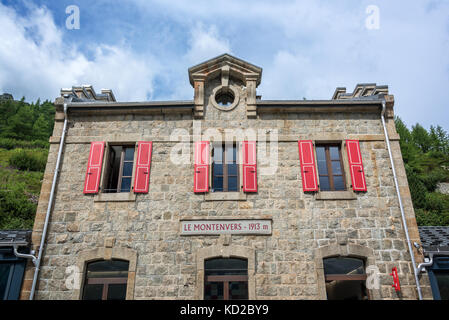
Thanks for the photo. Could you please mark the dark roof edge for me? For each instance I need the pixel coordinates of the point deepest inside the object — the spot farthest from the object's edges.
(15, 237)
(312, 103)
(117, 107)
(155, 104)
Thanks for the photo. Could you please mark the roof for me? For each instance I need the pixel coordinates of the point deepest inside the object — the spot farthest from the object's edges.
(15, 237)
(237, 67)
(434, 238)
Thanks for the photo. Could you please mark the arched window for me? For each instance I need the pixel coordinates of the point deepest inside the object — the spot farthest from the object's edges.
(226, 279)
(345, 278)
(106, 280)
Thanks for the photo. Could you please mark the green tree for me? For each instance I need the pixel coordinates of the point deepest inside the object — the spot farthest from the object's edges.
(20, 125)
(426, 158)
(421, 138)
(41, 128)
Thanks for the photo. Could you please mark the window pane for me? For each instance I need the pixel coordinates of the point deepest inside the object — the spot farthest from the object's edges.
(320, 154)
(218, 154)
(126, 185)
(217, 169)
(110, 265)
(129, 154)
(127, 169)
(117, 291)
(324, 184)
(341, 265)
(336, 167)
(222, 266)
(233, 169)
(93, 292)
(217, 184)
(338, 183)
(213, 291)
(4, 276)
(232, 184)
(114, 167)
(231, 153)
(334, 153)
(108, 269)
(443, 284)
(238, 290)
(322, 167)
(346, 290)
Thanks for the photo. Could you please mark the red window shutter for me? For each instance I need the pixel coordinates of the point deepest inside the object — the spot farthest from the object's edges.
(249, 166)
(308, 167)
(93, 173)
(201, 176)
(356, 165)
(143, 164)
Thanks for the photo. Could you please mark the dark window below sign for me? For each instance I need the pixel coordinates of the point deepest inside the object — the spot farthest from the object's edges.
(226, 279)
(225, 170)
(330, 168)
(119, 169)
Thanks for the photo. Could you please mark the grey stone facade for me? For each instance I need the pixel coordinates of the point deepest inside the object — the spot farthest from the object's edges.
(145, 228)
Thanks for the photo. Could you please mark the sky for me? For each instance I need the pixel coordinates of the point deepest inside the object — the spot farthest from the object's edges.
(141, 49)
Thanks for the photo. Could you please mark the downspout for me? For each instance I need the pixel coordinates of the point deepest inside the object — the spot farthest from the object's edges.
(25, 255)
(423, 265)
(37, 262)
(429, 263)
(404, 222)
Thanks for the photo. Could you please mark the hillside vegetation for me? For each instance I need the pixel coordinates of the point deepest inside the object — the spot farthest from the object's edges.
(24, 133)
(426, 158)
(25, 130)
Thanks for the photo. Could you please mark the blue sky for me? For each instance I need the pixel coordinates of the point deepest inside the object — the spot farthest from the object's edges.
(142, 49)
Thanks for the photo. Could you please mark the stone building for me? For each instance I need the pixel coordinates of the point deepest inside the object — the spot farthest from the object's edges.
(226, 196)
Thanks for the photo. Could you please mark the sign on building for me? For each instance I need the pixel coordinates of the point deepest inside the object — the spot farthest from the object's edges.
(214, 227)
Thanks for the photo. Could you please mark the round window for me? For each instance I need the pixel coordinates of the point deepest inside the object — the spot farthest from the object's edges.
(224, 99)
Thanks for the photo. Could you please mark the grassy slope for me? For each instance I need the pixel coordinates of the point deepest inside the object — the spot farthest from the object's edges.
(19, 191)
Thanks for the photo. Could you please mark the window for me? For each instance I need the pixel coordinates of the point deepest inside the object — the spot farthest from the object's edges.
(224, 99)
(226, 279)
(119, 169)
(439, 278)
(106, 280)
(225, 170)
(12, 270)
(345, 278)
(330, 167)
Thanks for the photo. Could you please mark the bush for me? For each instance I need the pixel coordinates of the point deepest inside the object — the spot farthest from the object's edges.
(432, 179)
(432, 218)
(16, 209)
(9, 144)
(436, 201)
(33, 160)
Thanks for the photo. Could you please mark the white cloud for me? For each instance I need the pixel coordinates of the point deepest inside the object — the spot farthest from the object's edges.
(35, 62)
(307, 48)
(205, 44)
